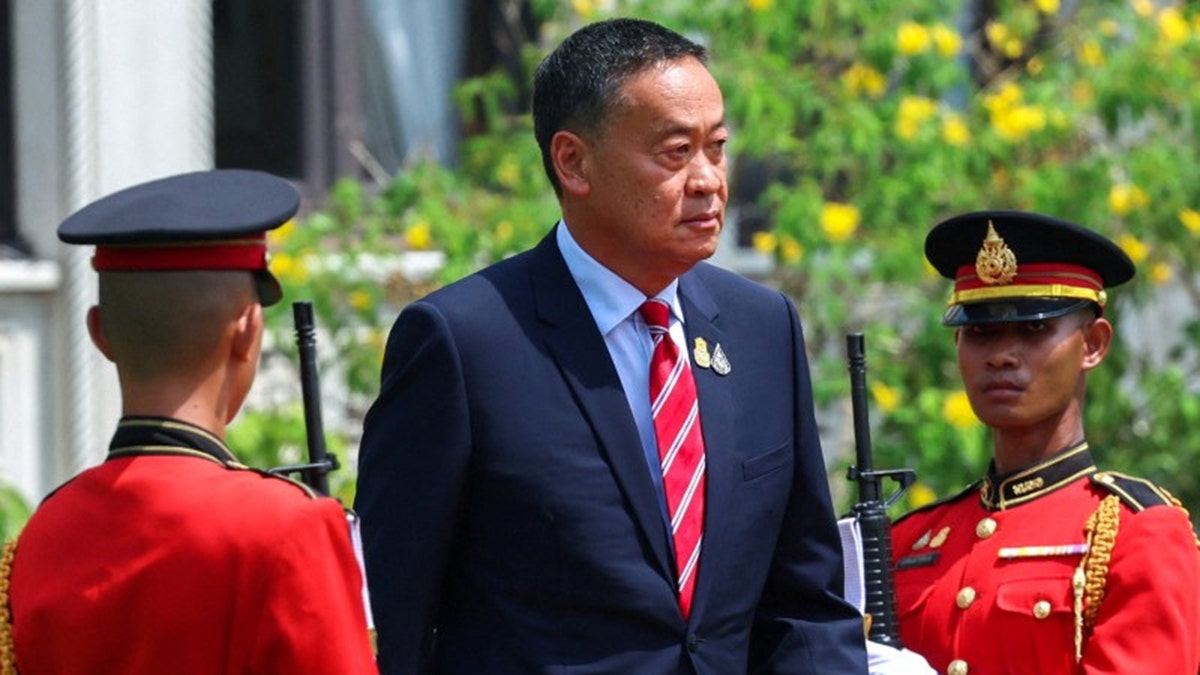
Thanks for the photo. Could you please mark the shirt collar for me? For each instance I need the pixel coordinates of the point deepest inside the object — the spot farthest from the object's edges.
(610, 298)
(1000, 491)
(144, 435)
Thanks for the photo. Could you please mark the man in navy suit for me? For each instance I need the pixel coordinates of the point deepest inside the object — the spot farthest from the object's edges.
(514, 508)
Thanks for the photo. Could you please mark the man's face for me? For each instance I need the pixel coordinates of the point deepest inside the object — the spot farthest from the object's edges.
(656, 189)
(1022, 374)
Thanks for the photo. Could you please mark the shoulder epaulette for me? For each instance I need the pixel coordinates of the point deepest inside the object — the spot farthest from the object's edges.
(1138, 494)
(308, 491)
(971, 489)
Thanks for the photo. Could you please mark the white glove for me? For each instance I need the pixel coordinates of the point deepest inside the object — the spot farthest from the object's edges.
(885, 660)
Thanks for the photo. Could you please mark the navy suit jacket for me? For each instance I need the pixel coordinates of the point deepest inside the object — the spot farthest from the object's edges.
(510, 522)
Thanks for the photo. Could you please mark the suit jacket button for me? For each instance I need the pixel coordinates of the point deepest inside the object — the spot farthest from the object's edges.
(693, 643)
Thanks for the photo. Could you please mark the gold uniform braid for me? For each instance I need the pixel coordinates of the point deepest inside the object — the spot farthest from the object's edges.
(8, 656)
(1092, 574)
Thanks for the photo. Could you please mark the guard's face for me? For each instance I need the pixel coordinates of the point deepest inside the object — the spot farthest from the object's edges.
(656, 187)
(1025, 375)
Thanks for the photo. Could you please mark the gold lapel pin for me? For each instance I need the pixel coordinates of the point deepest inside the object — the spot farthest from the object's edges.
(700, 354)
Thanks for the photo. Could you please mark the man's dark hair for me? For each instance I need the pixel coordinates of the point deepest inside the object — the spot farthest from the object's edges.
(578, 83)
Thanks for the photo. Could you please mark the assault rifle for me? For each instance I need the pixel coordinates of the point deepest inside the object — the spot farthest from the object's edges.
(871, 511)
(320, 462)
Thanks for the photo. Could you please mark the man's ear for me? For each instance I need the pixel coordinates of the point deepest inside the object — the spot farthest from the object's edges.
(569, 154)
(1097, 336)
(95, 329)
(246, 333)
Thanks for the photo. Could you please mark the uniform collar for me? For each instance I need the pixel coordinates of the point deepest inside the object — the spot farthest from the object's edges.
(1001, 491)
(166, 436)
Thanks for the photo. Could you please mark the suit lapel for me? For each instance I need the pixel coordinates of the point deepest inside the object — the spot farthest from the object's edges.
(582, 356)
(717, 422)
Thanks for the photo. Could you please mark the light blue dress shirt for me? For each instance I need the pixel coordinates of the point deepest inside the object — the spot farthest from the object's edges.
(614, 304)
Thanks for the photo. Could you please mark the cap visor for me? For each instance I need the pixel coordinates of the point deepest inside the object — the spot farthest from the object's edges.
(1011, 310)
(269, 290)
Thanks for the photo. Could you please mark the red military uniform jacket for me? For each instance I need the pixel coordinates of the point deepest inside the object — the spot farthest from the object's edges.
(172, 558)
(1002, 578)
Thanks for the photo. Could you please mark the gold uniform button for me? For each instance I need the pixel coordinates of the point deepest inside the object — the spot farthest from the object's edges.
(965, 597)
(1041, 609)
(957, 667)
(985, 528)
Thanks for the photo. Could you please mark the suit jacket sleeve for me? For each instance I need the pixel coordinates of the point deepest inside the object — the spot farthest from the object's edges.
(412, 463)
(803, 624)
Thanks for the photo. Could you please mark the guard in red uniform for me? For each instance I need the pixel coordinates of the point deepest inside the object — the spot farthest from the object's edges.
(1047, 565)
(170, 556)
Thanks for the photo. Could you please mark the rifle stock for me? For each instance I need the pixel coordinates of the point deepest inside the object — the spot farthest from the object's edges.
(871, 510)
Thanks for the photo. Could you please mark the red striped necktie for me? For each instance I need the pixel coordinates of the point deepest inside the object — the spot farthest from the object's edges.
(680, 447)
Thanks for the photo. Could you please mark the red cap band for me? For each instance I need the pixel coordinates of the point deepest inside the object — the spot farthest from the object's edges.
(249, 253)
(1032, 280)
(1034, 274)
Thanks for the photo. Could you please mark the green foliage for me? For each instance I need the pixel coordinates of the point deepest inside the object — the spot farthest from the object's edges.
(14, 512)
(875, 121)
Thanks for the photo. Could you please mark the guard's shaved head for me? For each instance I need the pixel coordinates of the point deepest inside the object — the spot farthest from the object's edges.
(166, 323)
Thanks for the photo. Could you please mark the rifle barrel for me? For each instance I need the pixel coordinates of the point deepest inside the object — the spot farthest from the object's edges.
(310, 386)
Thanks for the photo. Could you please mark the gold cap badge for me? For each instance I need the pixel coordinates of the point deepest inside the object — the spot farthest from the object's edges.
(995, 264)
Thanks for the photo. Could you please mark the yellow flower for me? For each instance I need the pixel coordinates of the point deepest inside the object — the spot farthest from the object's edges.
(1144, 8)
(504, 231)
(1125, 197)
(1046, 6)
(839, 221)
(287, 269)
(282, 233)
(360, 299)
(1017, 122)
(920, 494)
(790, 250)
(955, 131)
(1013, 47)
(1090, 54)
(1160, 273)
(1011, 120)
(912, 38)
(1109, 28)
(1003, 39)
(956, 410)
(759, 5)
(764, 242)
(1191, 220)
(1135, 248)
(914, 111)
(376, 340)
(948, 42)
(508, 173)
(1007, 95)
(860, 79)
(1172, 27)
(1034, 65)
(887, 398)
(418, 236)
(930, 270)
(584, 8)
(996, 32)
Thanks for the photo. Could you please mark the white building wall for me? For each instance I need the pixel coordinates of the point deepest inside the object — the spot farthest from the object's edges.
(107, 93)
